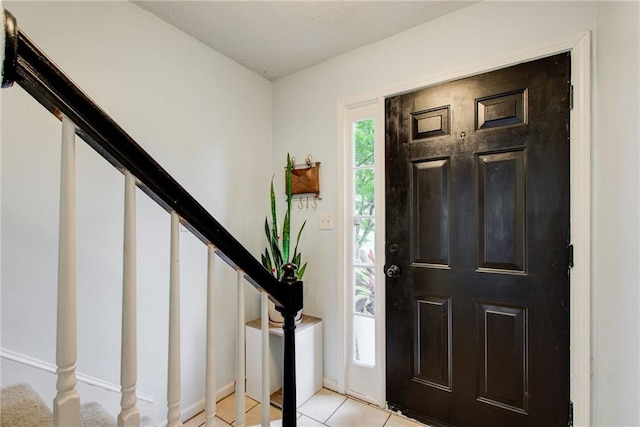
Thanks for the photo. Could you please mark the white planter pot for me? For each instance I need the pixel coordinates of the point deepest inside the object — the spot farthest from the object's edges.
(275, 317)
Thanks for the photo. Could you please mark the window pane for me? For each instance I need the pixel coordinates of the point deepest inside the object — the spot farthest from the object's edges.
(364, 191)
(364, 142)
(364, 290)
(364, 245)
(364, 340)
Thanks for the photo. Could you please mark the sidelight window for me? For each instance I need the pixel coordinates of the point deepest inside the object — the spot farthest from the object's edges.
(364, 233)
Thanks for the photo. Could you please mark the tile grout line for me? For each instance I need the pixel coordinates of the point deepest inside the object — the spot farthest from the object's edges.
(388, 411)
(387, 420)
(336, 410)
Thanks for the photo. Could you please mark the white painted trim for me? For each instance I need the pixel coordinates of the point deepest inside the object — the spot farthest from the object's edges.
(210, 366)
(192, 410)
(502, 61)
(66, 404)
(381, 232)
(580, 280)
(240, 353)
(341, 250)
(129, 414)
(580, 341)
(174, 385)
(265, 395)
(51, 368)
(225, 391)
(330, 384)
(360, 374)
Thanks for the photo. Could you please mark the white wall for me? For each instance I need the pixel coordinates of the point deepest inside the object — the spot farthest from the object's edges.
(206, 119)
(304, 109)
(616, 213)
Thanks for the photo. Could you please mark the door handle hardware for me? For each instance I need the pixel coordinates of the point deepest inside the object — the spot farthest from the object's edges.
(393, 271)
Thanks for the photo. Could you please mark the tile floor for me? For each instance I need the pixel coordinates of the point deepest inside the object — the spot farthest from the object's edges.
(325, 408)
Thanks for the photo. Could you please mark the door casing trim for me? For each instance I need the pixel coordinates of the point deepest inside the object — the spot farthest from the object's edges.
(580, 204)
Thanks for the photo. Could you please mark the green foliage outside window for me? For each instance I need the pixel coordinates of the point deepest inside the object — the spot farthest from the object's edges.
(364, 180)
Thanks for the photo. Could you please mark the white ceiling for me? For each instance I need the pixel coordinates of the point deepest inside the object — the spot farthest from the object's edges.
(276, 38)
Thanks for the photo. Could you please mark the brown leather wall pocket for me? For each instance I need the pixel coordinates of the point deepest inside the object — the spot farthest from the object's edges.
(306, 180)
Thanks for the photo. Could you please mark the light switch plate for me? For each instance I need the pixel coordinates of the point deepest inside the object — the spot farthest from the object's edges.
(326, 221)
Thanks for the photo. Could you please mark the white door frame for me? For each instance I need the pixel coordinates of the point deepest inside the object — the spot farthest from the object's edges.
(580, 204)
(365, 382)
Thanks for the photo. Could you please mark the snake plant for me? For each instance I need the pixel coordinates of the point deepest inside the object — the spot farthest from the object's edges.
(278, 250)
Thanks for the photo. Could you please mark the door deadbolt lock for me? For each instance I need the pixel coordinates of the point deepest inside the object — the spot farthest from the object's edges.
(393, 271)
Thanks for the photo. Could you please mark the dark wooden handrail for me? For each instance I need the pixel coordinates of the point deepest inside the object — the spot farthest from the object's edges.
(30, 68)
(24, 63)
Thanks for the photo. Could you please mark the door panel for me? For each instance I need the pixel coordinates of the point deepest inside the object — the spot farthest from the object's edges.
(477, 208)
(502, 356)
(430, 211)
(501, 203)
(433, 330)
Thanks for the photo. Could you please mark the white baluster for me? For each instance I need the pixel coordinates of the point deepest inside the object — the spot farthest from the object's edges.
(129, 415)
(240, 368)
(66, 405)
(266, 392)
(210, 384)
(173, 381)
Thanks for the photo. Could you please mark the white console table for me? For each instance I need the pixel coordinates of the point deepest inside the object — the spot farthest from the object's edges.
(308, 359)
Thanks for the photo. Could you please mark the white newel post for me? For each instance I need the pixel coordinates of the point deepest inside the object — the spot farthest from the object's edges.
(129, 415)
(266, 392)
(66, 404)
(210, 383)
(240, 368)
(173, 380)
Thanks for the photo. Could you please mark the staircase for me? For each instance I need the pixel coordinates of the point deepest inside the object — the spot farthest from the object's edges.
(26, 65)
(20, 406)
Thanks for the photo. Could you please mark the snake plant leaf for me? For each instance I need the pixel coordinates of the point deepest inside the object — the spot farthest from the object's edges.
(295, 250)
(267, 230)
(266, 260)
(288, 181)
(286, 236)
(302, 270)
(274, 216)
(296, 259)
(277, 255)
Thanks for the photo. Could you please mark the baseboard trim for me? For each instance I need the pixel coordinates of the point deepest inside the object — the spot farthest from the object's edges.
(330, 384)
(192, 410)
(82, 378)
(225, 391)
(199, 406)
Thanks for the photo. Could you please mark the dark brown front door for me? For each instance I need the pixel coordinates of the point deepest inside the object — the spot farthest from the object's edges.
(477, 220)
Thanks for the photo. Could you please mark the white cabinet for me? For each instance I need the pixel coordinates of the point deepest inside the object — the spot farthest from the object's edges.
(308, 358)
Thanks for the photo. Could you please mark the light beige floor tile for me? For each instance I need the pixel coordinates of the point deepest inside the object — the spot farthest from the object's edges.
(196, 421)
(217, 422)
(396, 421)
(254, 416)
(321, 405)
(304, 421)
(226, 408)
(200, 419)
(356, 414)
